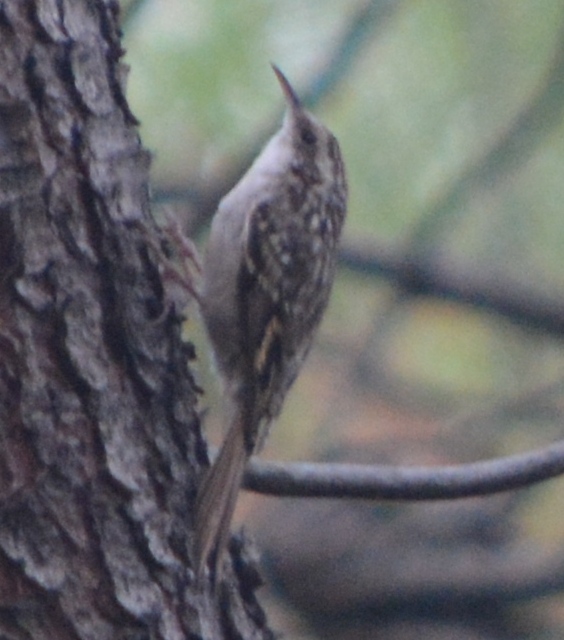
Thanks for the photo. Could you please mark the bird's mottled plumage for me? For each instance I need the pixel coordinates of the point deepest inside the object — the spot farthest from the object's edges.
(268, 272)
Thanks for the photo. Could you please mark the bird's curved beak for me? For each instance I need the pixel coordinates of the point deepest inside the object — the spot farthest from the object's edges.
(292, 99)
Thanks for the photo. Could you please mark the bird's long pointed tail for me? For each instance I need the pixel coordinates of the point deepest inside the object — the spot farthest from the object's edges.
(217, 498)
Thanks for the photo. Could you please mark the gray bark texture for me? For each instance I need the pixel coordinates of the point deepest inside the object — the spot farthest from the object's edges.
(100, 441)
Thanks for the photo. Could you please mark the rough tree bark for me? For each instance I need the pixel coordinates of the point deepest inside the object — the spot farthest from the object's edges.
(100, 436)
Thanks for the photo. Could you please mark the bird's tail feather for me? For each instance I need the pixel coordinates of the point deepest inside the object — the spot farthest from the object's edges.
(217, 498)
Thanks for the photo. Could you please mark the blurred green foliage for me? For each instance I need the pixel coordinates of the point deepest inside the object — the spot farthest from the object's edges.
(427, 95)
(451, 118)
(426, 92)
(423, 99)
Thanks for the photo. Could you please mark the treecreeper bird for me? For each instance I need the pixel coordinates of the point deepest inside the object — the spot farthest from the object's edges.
(267, 276)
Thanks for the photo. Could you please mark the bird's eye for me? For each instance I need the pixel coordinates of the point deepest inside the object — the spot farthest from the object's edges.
(308, 136)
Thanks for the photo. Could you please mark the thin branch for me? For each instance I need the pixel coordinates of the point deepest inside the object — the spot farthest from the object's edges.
(386, 482)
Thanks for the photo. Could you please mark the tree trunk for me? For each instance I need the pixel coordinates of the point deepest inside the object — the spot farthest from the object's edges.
(101, 446)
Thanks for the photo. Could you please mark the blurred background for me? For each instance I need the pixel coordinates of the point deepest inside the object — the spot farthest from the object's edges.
(443, 340)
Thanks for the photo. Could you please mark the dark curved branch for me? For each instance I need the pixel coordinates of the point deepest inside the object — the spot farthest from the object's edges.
(385, 482)
(475, 287)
